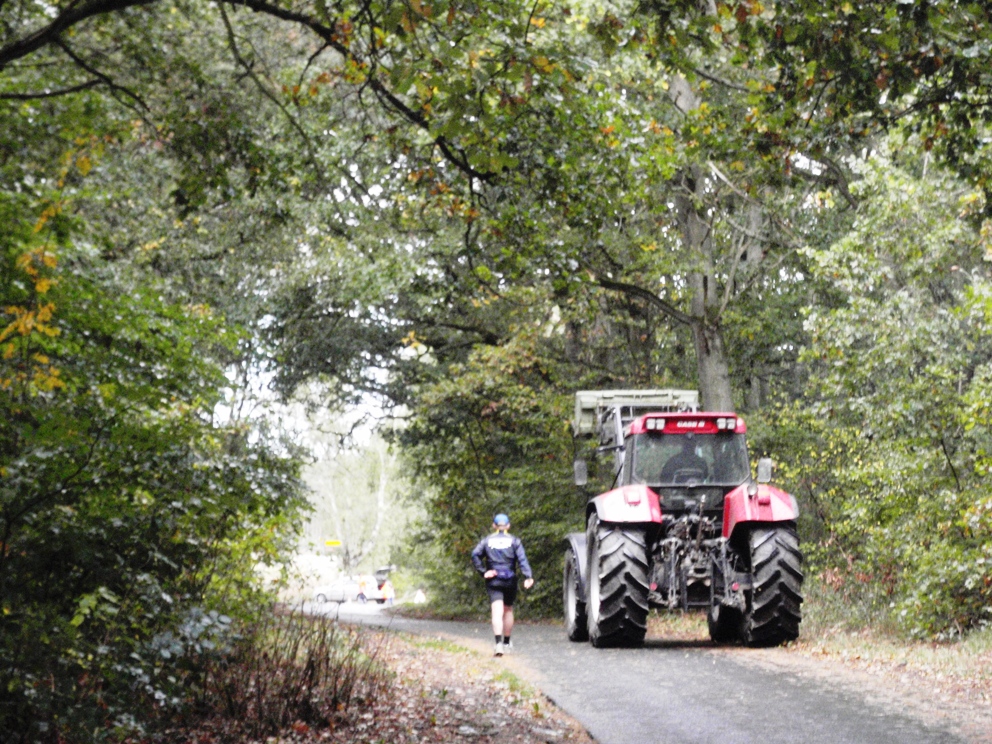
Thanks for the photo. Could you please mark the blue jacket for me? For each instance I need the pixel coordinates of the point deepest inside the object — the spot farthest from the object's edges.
(504, 553)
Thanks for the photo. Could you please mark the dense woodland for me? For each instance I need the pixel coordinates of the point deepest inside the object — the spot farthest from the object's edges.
(465, 211)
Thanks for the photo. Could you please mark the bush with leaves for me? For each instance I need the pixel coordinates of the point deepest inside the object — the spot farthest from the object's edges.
(890, 451)
(125, 512)
(493, 438)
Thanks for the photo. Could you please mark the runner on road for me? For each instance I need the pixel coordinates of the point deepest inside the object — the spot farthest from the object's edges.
(496, 558)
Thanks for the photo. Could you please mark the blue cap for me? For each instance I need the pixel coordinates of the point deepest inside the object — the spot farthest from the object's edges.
(501, 519)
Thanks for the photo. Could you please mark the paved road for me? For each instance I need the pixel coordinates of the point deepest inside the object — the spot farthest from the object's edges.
(683, 693)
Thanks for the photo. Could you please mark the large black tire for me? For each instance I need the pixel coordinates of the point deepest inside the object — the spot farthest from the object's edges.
(575, 605)
(617, 588)
(773, 613)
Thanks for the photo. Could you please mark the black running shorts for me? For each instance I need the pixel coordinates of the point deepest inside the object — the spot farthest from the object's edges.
(500, 591)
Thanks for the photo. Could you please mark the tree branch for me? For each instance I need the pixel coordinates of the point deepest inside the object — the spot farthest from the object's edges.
(81, 10)
(385, 96)
(49, 93)
(74, 13)
(101, 76)
(720, 81)
(632, 290)
(950, 463)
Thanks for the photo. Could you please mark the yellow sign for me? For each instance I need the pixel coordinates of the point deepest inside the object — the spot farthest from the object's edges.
(333, 543)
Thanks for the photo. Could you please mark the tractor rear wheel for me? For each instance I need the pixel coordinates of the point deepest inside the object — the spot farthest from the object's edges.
(773, 612)
(617, 598)
(575, 605)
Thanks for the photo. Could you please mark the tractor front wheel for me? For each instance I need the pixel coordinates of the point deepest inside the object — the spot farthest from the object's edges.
(617, 597)
(575, 605)
(773, 608)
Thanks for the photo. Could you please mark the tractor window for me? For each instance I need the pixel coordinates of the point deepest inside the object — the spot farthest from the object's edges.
(677, 459)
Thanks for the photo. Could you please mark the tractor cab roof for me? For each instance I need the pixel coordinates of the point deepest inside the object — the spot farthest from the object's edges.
(689, 422)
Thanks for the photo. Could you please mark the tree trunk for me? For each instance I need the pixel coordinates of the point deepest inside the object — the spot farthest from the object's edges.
(711, 367)
(712, 370)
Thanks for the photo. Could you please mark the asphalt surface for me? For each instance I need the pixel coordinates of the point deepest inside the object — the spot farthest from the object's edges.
(680, 693)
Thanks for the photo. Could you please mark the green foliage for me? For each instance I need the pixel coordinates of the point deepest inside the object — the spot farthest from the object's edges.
(123, 509)
(494, 438)
(130, 521)
(888, 454)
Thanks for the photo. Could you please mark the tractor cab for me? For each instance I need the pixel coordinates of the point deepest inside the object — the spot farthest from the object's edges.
(691, 460)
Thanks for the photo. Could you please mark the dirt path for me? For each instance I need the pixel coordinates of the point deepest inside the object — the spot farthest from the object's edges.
(450, 693)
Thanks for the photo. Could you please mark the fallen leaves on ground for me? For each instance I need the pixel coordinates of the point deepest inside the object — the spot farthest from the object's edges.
(440, 692)
(446, 693)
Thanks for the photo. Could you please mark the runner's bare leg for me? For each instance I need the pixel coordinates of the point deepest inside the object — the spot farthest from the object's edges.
(499, 615)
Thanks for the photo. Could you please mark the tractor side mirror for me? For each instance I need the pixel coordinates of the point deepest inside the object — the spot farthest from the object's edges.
(765, 470)
(581, 472)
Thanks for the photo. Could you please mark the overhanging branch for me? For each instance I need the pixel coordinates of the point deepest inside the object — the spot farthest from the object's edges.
(74, 13)
(49, 93)
(632, 290)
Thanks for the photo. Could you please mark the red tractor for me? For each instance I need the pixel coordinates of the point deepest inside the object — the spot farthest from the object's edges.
(683, 526)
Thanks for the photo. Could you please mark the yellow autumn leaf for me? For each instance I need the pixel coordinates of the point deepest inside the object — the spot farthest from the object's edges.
(543, 64)
(25, 262)
(47, 380)
(84, 164)
(538, 22)
(45, 312)
(42, 285)
(49, 212)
